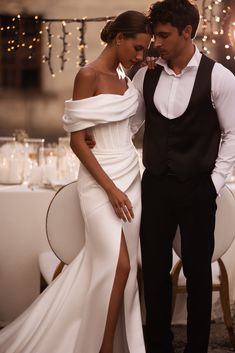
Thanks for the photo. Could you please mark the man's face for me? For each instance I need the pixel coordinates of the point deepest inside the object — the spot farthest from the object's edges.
(168, 41)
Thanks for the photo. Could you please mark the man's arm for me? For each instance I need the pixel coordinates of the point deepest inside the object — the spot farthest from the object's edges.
(89, 138)
(223, 96)
(138, 119)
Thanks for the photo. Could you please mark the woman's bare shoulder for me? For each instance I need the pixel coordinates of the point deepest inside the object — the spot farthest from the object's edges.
(87, 72)
(85, 83)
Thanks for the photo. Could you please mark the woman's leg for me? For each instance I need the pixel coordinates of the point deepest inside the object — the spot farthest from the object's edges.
(121, 276)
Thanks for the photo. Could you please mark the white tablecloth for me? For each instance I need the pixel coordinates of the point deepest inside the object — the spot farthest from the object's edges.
(22, 237)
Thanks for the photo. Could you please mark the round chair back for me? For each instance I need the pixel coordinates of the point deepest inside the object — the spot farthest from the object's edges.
(64, 223)
(224, 225)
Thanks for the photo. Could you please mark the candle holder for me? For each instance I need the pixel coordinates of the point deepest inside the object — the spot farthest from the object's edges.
(32, 161)
(49, 161)
(11, 161)
(68, 163)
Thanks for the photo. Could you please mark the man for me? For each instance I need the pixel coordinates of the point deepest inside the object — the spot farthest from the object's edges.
(188, 151)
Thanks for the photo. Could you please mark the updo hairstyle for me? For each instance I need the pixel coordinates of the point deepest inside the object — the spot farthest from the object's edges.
(130, 23)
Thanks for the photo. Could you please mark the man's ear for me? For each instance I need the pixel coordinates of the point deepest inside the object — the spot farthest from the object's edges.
(187, 32)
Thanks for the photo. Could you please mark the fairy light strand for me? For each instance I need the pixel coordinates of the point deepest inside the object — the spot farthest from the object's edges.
(82, 44)
(47, 58)
(47, 23)
(215, 17)
(64, 51)
(213, 21)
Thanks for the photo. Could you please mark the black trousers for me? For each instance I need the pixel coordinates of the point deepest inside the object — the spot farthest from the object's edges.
(167, 203)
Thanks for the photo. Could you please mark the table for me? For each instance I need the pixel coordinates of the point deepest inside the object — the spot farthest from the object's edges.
(23, 237)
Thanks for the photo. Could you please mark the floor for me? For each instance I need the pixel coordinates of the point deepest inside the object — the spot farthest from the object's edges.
(219, 340)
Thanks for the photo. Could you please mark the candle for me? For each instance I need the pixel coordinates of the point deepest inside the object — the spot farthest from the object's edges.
(4, 170)
(15, 170)
(35, 177)
(11, 162)
(50, 168)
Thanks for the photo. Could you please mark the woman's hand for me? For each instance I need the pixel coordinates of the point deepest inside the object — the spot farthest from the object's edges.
(121, 204)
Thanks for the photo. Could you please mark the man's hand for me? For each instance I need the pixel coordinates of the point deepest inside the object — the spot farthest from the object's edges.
(89, 138)
(150, 61)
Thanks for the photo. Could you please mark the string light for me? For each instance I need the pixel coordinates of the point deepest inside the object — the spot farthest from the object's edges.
(46, 26)
(65, 44)
(47, 58)
(82, 43)
(231, 34)
(214, 19)
(215, 15)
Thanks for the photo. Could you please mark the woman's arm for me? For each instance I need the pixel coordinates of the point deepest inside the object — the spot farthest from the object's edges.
(84, 87)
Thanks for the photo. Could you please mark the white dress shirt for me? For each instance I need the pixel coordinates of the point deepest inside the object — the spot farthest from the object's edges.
(172, 96)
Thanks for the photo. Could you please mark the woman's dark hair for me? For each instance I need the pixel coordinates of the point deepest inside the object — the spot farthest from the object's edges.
(130, 23)
(179, 13)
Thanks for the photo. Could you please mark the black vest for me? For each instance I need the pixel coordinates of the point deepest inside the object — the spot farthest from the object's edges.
(186, 146)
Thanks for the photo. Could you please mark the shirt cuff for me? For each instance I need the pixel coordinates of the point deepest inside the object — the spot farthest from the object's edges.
(218, 181)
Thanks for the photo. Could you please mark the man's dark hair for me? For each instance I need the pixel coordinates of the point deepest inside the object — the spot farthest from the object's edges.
(179, 13)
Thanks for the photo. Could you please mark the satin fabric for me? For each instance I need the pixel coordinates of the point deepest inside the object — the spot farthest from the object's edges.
(70, 315)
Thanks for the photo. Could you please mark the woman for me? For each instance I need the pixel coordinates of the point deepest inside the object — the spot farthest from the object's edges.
(93, 306)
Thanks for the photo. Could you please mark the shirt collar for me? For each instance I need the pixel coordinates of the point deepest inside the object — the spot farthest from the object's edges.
(194, 62)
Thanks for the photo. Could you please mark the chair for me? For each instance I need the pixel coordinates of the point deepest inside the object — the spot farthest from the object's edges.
(65, 227)
(224, 235)
(50, 267)
(65, 233)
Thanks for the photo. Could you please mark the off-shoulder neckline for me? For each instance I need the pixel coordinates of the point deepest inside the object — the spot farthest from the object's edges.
(129, 82)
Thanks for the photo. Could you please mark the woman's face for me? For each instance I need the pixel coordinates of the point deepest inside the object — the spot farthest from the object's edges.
(131, 50)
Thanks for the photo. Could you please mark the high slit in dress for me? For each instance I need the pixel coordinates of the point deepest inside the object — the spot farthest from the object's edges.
(70, 315)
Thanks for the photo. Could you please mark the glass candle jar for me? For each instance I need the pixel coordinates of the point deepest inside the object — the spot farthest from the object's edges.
(11, 161)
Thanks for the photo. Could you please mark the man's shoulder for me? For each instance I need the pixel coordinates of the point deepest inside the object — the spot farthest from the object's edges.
(220, 70)
(139, 75)
(223, 81)
(138, 78)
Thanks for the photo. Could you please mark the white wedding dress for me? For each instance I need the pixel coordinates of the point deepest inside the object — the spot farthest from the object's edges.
(70, 315)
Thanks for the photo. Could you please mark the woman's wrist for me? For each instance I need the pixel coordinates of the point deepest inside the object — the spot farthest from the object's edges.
(109, 186)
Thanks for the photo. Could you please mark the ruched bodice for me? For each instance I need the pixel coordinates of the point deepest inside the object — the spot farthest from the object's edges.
(112, 136)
